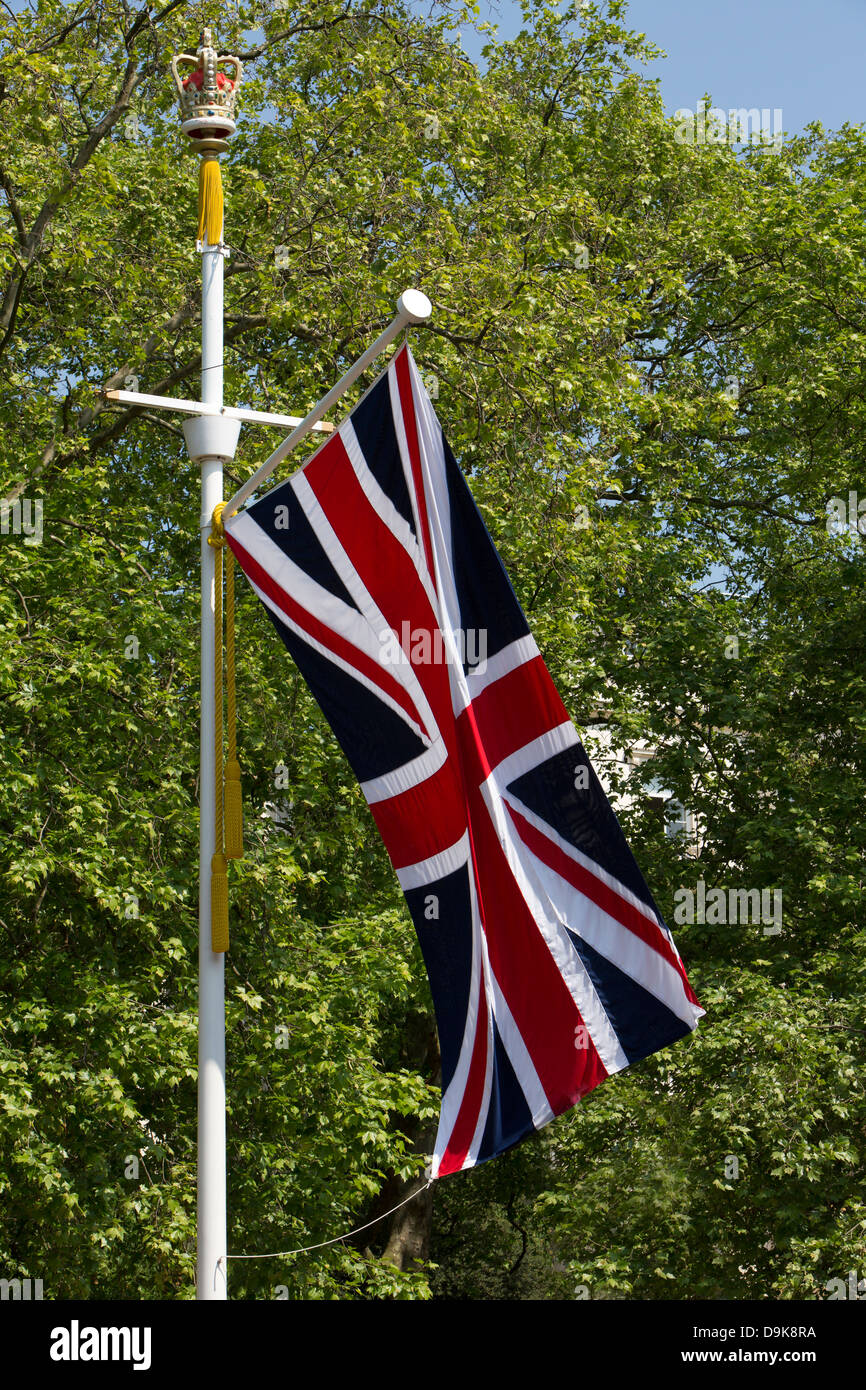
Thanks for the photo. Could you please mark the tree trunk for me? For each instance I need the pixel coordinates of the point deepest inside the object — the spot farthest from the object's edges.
(408, 1244)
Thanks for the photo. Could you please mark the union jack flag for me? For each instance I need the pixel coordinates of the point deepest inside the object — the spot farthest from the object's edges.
(549, 964)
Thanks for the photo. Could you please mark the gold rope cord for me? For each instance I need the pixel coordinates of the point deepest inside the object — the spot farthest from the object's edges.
(234, 816)
(219, 885)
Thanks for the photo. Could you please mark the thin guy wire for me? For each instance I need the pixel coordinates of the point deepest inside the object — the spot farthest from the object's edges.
(305, 1249)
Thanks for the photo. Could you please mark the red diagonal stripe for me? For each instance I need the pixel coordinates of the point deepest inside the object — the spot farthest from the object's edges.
(385, 569)
(331, 640)
(600, 893)
(536, 993)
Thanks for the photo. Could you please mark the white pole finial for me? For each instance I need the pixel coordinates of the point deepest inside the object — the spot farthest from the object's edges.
(414, 306)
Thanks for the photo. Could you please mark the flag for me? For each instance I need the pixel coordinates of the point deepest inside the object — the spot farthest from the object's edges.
(549, 964)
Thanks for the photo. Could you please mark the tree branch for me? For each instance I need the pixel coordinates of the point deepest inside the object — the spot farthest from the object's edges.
(32, 244)
(13, 208)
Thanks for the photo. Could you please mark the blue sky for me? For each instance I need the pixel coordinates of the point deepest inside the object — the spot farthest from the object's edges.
(807, 58)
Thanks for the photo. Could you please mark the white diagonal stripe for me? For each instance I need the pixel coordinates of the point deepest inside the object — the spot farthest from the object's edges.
(402, 671)
(436, 867)
(556, 938)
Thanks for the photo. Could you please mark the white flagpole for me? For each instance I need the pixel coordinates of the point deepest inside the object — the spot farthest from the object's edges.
(207, 100)
(212, 1221)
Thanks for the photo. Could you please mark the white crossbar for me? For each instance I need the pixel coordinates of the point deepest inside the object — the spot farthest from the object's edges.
(254, 417)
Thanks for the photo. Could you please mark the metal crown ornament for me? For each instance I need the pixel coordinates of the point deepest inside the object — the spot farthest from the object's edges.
(207, 100)
(207, 96)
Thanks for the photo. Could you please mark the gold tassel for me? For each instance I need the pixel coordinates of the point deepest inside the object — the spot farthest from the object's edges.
(210, 200)
(219, 904)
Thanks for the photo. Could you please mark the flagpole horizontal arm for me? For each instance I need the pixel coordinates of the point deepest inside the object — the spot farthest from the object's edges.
(412, 307)
(259, 417)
